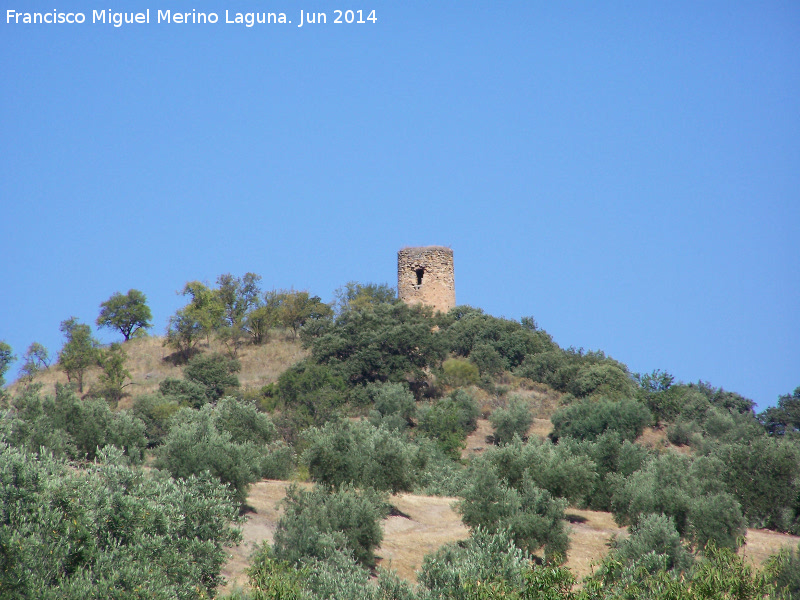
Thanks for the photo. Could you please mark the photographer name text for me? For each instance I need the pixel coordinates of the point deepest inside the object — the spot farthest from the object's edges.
(171, 17)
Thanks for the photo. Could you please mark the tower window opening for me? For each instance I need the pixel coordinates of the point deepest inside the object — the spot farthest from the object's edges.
(420, 273)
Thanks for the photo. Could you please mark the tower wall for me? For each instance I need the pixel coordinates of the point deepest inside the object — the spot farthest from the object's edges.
(425, 275)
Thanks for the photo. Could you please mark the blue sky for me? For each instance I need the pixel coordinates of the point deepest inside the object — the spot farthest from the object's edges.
(627, 173)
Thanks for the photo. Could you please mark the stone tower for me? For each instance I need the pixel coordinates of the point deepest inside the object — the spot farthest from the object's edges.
(425, 275)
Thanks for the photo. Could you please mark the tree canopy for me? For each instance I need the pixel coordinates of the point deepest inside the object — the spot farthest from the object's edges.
(127, 313)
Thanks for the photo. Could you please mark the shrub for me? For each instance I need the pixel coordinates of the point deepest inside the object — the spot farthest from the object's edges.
(440, 475)
(516, 419)
(342, 453)
(394, 406)
(653, 543)
(274, 579)
(459, 372)
(184, 392)
(155, 411)
(783, 418)
(338, 577)
(244, 422)
(783, 569)
(534, 518)
(215, 372)
(689, 491)
(491, 343)
(391, 342)
(317, 523)
(198, 442)
(684, 433)
(719, 573)
(587, 419)
(608, 378)
(71, 427)
(560, 469)
(311, 394)
(449, 572)
(764, 476)
(613, 458)
(449, 421)
(488, 360)
(108, 530)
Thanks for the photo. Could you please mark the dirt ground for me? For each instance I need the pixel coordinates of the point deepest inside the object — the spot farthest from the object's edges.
(429, 522)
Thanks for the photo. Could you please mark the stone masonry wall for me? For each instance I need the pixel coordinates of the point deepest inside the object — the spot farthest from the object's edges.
(425, 275)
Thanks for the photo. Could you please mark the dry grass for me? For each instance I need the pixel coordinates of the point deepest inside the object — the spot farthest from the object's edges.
(589, 534)
(540, 428)
(149, 364)
(430, 522)
(259, 527)
(656, 439)
(760, 544)
(481, 438)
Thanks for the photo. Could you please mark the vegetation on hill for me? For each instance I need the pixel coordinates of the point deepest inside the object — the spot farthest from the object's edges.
(371, 396)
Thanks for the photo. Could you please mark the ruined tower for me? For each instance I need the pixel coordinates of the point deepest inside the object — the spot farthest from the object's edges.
(425, 275)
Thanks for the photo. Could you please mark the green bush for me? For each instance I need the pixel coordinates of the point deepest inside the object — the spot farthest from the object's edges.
(244, 422)
(449, 573)
(785, 417)
(516, 419)
(764, 476)
(563, 470)
(108, 530)
(198, 442)
(318, 523)
(718, 574)
(309, 394)
(609, 379)
(440, 476)
(71, 427)
(391, 342)
(613, 458)
(394, 406)
(184, 392)
(215, 372)
(337, 577)
(491, 343)
(155, 411)
(685, 433)
(783, 569)
(449, 421)
(459, 372)
(691, 492)
(587, 419)
(342, 453)
(534, 518)
(488, 360)
(653, 543)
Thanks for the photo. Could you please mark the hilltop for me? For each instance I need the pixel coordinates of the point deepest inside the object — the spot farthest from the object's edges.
(408, 429)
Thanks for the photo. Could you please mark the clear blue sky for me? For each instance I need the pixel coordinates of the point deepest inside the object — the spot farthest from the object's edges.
(628, 173)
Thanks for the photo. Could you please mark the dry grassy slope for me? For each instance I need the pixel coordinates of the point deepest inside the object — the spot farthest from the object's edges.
(432, 522)
(149, 365)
